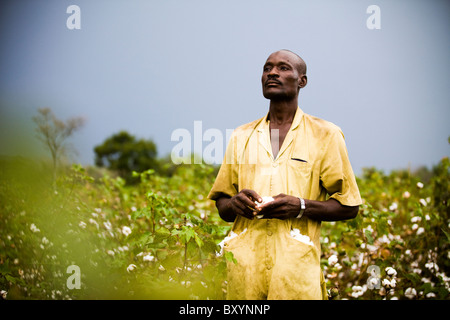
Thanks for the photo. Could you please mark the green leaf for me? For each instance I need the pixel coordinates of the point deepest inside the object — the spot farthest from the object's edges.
(446, 233)
(369, 237)
(10, 278)
(198, 240)
(230, 257)
(189, 233)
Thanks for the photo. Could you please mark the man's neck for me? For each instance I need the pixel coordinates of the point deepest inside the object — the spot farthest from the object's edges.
(281, 112)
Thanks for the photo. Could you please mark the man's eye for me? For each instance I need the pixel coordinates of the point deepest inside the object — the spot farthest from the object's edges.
(284, 68)
(266, 69)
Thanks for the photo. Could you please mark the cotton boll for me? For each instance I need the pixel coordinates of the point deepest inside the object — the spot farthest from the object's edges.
(131, 267)
(410, 293)
(264, 201)
(332, 260)
(391, 271)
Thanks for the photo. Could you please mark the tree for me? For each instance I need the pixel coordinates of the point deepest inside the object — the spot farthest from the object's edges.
(53, 133)
(123, 153)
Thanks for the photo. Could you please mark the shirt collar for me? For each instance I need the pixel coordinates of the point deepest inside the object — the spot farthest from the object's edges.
(295, 123)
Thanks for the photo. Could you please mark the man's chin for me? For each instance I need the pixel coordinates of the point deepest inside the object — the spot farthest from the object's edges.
(276, 96)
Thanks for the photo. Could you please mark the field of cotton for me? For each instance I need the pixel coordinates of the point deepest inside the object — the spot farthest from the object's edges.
(91, 236)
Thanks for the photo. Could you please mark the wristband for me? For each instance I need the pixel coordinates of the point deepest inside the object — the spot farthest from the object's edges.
(302, 208)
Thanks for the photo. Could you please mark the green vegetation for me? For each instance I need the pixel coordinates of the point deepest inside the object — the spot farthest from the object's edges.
(157, 237)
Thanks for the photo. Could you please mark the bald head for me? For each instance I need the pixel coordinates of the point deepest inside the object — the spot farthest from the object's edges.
(297, 60)
(284, 74)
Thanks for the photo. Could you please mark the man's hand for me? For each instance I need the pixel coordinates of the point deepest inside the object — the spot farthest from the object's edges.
(285, 207)
(242, 204)
(282, 207)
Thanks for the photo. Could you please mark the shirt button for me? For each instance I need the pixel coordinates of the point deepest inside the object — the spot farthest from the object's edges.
(269, 233)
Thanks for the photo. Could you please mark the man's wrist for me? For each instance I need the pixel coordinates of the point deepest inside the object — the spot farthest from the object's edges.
(302, 208)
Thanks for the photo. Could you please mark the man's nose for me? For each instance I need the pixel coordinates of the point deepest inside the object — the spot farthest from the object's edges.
(273, 73)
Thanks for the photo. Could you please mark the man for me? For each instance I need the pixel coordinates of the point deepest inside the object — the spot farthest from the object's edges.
(302, 162)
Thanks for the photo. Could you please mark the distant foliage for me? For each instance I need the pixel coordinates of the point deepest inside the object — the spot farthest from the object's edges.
(53, 133)
(158, 238)
(124, 153)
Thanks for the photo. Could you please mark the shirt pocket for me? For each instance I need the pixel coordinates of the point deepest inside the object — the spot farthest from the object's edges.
(299, 176)
(235, 241)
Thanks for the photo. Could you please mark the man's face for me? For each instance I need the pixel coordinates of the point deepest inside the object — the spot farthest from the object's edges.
(281, 79)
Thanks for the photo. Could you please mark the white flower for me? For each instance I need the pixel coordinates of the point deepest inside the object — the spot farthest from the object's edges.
(430, 265)
(420, 231)
(406, 195)
(92, 221)
(423, 202)
(107, 225)
(358, 291)
(430, 295)
(133, 208)
(34, 228)
(389, 283)
(410, 293)
(332, 260)
(82, 224)
(416, 219)
(419, 185)
(45, 240)
(110, 252)
(3, 294)
(148, 257)
(131, 267)
(393, 283)
(126, 231)
(415, 226)
(393, 206)
(427, 217)
(391, 271)
(161, 268)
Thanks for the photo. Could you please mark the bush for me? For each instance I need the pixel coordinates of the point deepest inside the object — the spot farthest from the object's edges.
(158, 239)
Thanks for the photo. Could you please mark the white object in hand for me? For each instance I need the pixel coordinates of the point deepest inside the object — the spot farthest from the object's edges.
(264, 201)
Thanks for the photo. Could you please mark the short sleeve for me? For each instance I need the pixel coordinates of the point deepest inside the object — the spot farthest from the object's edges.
(337, 175)
(226, 183)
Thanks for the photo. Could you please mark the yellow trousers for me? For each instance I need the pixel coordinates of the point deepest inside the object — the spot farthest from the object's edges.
(274, 261)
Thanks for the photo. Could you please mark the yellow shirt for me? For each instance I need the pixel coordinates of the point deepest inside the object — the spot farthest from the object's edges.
(312, 163)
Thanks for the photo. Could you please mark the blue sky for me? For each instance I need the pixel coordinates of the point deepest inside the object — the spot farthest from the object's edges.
(151, 67)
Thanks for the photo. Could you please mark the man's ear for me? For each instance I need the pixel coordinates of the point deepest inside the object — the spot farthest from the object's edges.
(302, 81)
